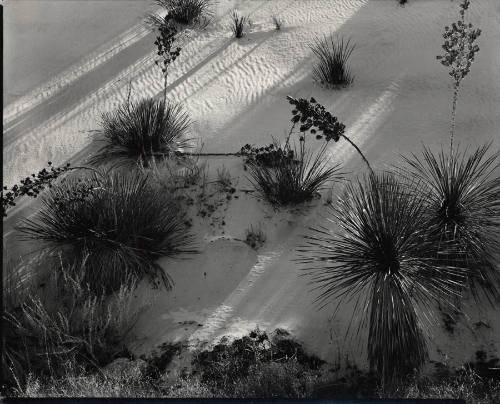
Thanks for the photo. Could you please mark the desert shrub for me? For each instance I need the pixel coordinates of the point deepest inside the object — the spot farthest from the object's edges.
(465, 385)
(380, 259)
(224, 179)
(157, 362)
(238, 24)
(333, 55)
(462, 204)
(277, 21)
(290, 182)
(284, 380)
(117, 228)
(188, 11)
(268, 156)
(255, 238)
(63, 327)
(137, 132)
(229, 363)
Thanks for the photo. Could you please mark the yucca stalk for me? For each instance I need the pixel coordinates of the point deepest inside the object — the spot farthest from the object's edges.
(379, 259)
(460, 50)
(462, 204)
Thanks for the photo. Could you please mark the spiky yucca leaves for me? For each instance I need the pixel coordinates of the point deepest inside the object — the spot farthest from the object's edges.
(380, 260)
(333, 55)
(463, 208)
(118, 226)
(290, 181)
(138, 132)
(238, 24)
(188, 11)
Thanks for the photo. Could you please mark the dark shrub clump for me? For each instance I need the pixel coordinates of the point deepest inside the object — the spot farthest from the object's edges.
(332, 69)
(117, 226)
(188, 11)
(139, 132)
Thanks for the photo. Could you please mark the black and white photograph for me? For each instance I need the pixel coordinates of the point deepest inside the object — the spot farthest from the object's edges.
(295, 199)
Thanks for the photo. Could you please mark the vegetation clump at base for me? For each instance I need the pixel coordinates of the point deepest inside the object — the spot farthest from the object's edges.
(116, 226)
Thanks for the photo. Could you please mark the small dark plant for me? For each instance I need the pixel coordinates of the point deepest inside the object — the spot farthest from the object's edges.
(278, 22)
(462, 203)
(117, 231)
(255, 238)
(380, 259)
(188, 11)
(238, 24)
(333, 55)
(138, 132)
(291, 182)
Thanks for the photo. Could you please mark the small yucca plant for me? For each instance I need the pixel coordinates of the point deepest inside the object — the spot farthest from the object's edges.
(291, 181)
(238, 24)
(462, 203)
(139, 132)
(117, 226)
(332, 69)
(380, 259)
(188, 11)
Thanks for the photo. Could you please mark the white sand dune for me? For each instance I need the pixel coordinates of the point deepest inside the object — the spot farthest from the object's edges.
(235, 91)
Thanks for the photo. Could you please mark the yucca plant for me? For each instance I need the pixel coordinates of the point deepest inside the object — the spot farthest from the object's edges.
(238, 24)
(379, 259)
(188, 11)
(333, 53)
(137, 132)
(293, 180)
(463, 208)
(117, 226)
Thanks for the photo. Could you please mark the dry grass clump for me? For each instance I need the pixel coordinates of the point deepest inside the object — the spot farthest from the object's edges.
(332, 69)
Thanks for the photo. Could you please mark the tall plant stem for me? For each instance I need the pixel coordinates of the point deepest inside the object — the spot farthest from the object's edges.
(453, 115)
(165, 77)
(360, 153)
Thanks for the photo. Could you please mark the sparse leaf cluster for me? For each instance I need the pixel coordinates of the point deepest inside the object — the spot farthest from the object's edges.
(266, 155)
(164, 42)
(31, 186)
(313, 117)
(459, 45)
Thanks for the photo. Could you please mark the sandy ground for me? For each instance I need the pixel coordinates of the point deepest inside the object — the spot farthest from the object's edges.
(235, 91)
